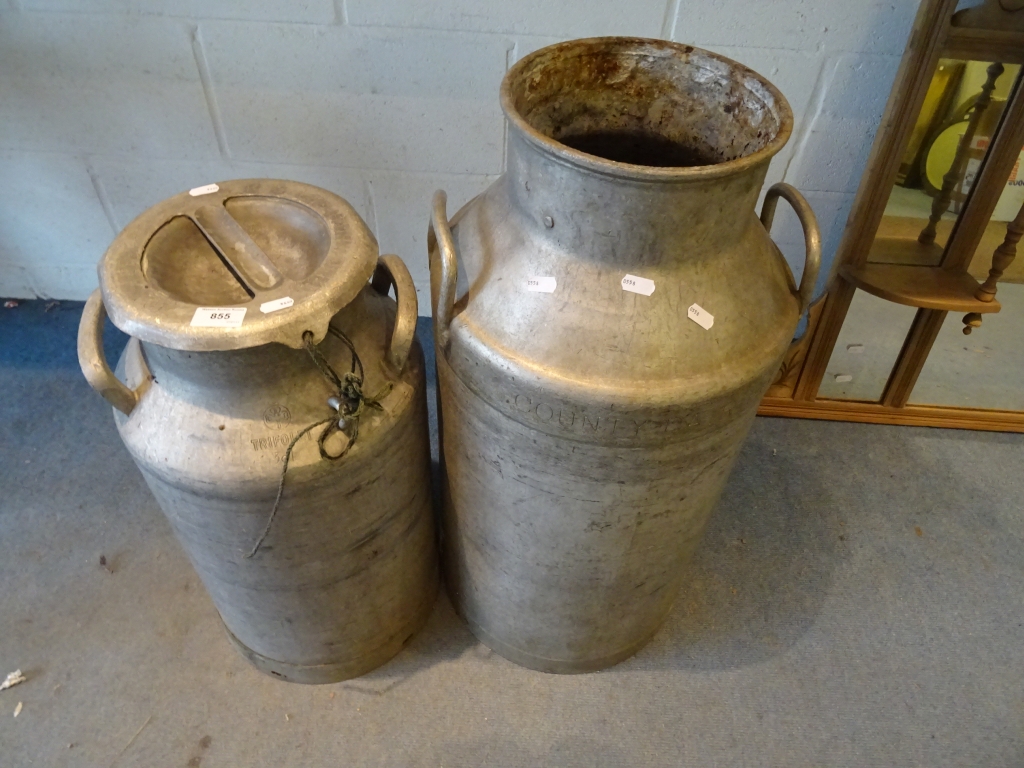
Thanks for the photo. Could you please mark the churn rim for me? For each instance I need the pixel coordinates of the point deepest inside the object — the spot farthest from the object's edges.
(603, 166)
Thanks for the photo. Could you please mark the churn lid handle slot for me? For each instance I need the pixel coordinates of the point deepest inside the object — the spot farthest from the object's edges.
(246, 260)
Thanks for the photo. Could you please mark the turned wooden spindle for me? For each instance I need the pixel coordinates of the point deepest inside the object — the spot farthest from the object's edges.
(956, 170)
(1002, 258)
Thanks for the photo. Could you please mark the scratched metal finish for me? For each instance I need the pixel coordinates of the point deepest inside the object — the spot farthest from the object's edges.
(587, 433)
(348, 572)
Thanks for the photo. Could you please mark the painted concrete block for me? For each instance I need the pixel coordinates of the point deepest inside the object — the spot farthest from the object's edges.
(839, 138)
(403, 205)
(642, 18)
(527, 44)
(876, 26)
(301, 11)
(380, 115)
(101, 83)
(52, 227)
(371, 98)
(73, 282)
(47, 281)
(133, 185)
(15, 282)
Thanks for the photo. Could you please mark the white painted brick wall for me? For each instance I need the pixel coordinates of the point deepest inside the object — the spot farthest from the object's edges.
(296, 11)
(109, 106)
(561, 18)
(396, 99)
(102, 84)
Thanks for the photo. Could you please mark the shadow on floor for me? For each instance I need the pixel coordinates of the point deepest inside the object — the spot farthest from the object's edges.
(444, 639)
(760, 576)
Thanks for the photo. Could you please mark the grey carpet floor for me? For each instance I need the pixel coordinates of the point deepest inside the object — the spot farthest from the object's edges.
(857, 602)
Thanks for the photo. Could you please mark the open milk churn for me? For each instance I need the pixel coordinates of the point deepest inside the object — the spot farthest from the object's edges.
(608, 315)
(258, 345)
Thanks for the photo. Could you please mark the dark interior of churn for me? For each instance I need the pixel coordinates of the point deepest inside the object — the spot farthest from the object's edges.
(640, 148)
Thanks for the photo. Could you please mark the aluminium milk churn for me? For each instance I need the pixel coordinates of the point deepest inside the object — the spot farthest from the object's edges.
(607, 316)
(274, 401)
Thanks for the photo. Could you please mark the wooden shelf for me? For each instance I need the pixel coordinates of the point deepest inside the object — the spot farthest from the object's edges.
(896, 243)
(919, 286)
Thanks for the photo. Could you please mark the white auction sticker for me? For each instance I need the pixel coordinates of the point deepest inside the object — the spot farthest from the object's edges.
(640, 285)
(206, 190)
(272, 306)
(218, 317)
(700, 316)
(541, 284)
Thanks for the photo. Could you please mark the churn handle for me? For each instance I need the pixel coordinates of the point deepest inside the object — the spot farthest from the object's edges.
(812, 235)
(94, 362)
(439, 234)
(391, 270)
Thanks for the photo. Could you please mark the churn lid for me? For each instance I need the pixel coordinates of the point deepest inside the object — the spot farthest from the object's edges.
(237, 264)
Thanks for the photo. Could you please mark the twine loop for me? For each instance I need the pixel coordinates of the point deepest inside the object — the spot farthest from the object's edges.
(348, 403)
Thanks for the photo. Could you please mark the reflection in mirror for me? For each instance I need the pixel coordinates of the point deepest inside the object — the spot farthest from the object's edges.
(983, 370)
(954, 130)
(866, 350)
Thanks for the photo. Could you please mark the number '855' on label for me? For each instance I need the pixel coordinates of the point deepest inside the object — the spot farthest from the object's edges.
(218, 317)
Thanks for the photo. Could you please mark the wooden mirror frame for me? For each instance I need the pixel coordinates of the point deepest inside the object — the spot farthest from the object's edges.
(993, 31)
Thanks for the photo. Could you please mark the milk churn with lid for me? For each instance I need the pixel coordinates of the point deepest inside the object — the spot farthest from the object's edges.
(607, 316)
(274, 400)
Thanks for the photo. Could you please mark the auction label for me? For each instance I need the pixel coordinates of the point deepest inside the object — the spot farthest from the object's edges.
(541, 284)
(700, 316)
(272, 306)
(218, 317)
(640, 285)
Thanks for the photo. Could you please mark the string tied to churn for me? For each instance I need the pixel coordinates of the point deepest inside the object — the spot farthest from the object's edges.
(348, 402)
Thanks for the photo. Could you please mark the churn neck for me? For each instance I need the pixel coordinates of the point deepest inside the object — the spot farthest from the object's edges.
(250, 369)
(627, 220)
(660, 135)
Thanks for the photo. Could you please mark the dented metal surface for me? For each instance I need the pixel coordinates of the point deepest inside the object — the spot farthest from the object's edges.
(587, 432)
(348, 571)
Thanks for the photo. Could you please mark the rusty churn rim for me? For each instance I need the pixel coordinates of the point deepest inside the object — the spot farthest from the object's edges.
(652, 48)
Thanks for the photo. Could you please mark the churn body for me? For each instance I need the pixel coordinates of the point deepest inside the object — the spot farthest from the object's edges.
(345, 572)
(590, 412)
